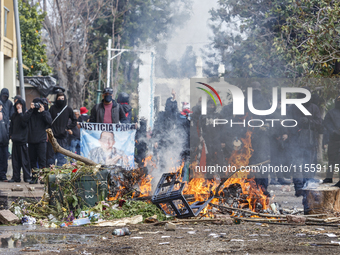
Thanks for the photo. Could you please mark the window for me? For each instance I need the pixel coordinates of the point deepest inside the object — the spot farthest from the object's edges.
(6, 14)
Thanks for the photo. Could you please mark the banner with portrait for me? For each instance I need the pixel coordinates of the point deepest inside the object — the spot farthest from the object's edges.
(108, 144)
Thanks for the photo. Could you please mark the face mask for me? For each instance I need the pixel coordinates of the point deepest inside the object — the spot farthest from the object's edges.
(59, 102)
(108, 98)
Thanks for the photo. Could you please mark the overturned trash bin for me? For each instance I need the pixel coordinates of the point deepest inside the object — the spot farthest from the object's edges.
(169, 198)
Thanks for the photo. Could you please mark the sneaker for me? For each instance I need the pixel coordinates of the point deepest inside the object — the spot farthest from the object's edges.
(11, 180)
(3, 180)
(337, 184)
(28, 180)
(327, 180)
(34, 181)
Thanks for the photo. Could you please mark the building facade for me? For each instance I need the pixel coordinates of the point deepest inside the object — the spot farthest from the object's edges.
(8, 48)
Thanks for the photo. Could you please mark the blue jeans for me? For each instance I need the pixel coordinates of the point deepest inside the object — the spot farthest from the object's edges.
(61, 158)
(75, 146)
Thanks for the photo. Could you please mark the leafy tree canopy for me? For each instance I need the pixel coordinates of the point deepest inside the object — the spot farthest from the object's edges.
(33, 51)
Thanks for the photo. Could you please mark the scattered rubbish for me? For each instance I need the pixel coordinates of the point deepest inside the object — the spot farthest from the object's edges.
(296, 219)
(207, 230)
(179, 237)
(189, 228)
(165, 237)
(142, 233)
(7, 217)
(252, 240)
(238, 221)
(80, 222)
(264, 225)
(258, 224)
(264, 235)
(335, 242)
(28, 220)
(121, 222)
(170, 226)
(51, 218)
(213, 235)
(223, 234)
(300, 234)
(330, 235)
(31, 188)
(236, 240)
(191, 232)
(17, 188)
(82, 214)
(136, 237)
(17, 212)
(121, 232)
(152, 219)
(164, 243)
(65, 224)
(253, 235)
(320, 229)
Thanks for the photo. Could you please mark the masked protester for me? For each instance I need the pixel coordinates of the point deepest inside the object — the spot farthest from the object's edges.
(39, 121)
(303, 142)
(18, 132)
(3, 144)
(332, 124)
(108, 111)
(61, 113)
(8, 109)
(123, 100)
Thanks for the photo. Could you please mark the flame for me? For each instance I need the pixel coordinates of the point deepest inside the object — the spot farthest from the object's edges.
(145, 186)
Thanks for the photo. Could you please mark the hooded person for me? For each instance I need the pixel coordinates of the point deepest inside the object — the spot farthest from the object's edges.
(108, 111)
(303, 140)
(123, 100)
(18, 133)
(3, 144)
(332, 125)
(39, 121)
(61, 113)
(8, 109)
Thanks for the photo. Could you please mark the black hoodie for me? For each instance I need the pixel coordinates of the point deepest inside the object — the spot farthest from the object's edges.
(8, 108)
(38, 123)
(60, 125)
(18, 129)
(332, 121)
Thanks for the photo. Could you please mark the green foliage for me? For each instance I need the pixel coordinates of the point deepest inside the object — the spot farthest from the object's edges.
(33, 51)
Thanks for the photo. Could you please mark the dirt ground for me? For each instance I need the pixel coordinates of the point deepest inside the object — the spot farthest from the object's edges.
(245, 238)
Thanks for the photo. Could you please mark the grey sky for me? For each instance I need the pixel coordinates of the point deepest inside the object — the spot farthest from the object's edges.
(195, 32)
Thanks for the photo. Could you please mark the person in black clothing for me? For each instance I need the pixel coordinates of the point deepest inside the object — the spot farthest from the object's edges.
(3, 144)
(108, 111)
(39, 121)
(61, 113)
(18, 132)
(123, 100)
(332, 125)
(303, 141)
(8, 109)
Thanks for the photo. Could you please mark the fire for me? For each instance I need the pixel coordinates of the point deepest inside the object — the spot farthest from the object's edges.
(145, 186)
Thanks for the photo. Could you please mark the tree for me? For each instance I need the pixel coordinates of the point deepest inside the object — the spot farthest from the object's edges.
(132, 24)
(33, 51)
(67, 23)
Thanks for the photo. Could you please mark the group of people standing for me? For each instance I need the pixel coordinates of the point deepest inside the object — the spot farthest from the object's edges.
(271, 146)
(27, 129)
